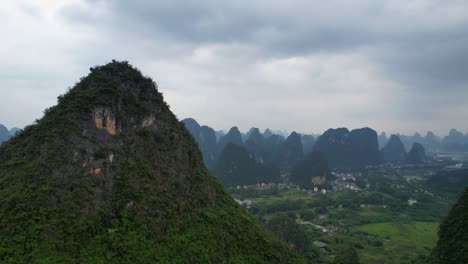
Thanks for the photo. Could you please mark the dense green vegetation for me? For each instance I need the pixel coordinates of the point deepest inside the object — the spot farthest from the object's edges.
(379, 222)
(349, 149)
(288, 230)
(290, 151)
(394, 150)
(452, 246)
(206, 139)
(236, 166)
(395, 238)
(346, 255)
(110, 176)
(449, 181)
(417, 154)
(312, 171)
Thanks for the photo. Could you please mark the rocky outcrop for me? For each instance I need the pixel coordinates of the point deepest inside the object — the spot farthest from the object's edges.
(431, 142)
(417, 154)
(290, 151)
(105, 119)
(455, 141)
(149, 121)
(236, 166)
(349, 149)
(319, 181)
(205, 137)
(255, 144)
(233, 136)
(267, 133)
(89, 183)
(311, 172)
(308, 142)
(382, 139)
(394, 151)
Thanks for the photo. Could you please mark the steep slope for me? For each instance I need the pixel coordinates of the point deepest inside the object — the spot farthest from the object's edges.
(394, 151)
(236, 166)
(409, 140)
(290, 151)
(452, 246)
(308, 142)
(417, 154)
(365, 147)
(233, 136)
(14, 130)
(311, 172)
(267, 133)
(246, 136)
(272, 148)
(349, 149)
(382, 139)
(255, 144)
(205, 137)
(4, 133)
(110, 176)
(208, 145)
(431, 142)
(455, 141)
(193, 127)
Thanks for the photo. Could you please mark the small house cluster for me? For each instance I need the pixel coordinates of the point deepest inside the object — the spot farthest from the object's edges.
(246, 203)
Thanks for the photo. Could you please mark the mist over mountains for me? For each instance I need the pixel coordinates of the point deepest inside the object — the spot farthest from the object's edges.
(306, 161)
(318, 132)
(6, 134)
(342, 148)
(112, 165)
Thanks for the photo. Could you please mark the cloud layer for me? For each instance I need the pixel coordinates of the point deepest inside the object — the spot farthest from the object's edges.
(398, 66)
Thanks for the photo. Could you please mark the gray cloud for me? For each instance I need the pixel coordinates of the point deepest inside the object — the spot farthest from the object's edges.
(419, 43)
(303, 65)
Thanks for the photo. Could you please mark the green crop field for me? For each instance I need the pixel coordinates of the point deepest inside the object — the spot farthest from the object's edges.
(378, 222)
(402, 241)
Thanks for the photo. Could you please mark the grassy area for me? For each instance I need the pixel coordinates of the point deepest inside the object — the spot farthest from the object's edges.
(378, 222)
(402, 241)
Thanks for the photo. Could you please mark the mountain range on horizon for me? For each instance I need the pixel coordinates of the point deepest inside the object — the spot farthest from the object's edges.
(234, 132)
(110, 175)
(343, 148)
(6, 133)
(455, 140)
(384, 134)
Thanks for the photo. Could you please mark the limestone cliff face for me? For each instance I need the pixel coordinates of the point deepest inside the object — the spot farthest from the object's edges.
(394, 151)
(149, 121)
(105, 119)
(109, 175)
(349, 149)
(319, 180)
(311, 172)
(205, 137)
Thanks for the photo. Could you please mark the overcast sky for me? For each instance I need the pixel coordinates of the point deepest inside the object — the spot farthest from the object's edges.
(397, 66)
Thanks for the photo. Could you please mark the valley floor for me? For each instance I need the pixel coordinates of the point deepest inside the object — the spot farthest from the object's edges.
(393, 219)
